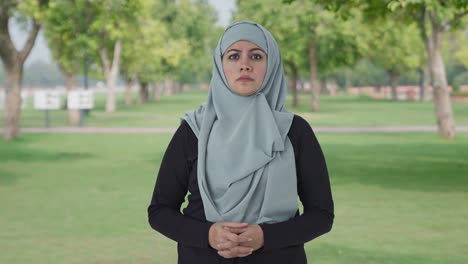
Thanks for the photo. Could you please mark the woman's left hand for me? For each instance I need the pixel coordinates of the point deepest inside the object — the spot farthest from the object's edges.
(255, 232)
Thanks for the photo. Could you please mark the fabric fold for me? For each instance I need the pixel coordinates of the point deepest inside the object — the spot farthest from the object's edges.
(246, 168)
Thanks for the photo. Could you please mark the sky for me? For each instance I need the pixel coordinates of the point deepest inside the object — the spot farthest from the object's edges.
(41, 52)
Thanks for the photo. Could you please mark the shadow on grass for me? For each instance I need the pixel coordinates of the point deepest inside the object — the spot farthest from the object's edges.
(33, 155)
(327, 253)
(8, 177)
(19, 153)
(409, 166)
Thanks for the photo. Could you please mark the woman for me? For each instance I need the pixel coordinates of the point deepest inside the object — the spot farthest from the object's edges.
(243, 160)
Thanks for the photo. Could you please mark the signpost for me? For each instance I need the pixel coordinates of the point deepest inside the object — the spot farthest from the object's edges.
(47, 100)
(80, 100)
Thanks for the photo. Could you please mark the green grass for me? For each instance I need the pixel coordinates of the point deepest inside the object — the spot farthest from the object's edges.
(343, 110)
(399, 198)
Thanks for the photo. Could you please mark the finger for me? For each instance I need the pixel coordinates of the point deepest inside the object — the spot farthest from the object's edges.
(234, 224)
(242, 250)
(237, 238)
(237, 230)
(235, 252)
(244, 255)
(244, 239)
(231, 236)
(226, 254)
(226, 245)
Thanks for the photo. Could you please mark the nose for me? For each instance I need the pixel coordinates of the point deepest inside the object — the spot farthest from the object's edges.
(245, 64)
(245, 68)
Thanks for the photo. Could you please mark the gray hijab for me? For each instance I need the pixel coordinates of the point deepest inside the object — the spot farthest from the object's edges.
(246, 166)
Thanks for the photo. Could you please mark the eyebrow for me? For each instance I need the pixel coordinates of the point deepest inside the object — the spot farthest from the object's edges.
(254, 49)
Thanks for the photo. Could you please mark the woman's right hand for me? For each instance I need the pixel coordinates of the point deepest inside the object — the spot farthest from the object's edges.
(227, 242)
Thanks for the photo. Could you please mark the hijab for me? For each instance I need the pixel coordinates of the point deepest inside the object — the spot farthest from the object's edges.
(246, 165)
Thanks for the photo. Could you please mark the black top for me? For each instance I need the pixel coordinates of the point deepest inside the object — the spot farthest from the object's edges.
(283, 242)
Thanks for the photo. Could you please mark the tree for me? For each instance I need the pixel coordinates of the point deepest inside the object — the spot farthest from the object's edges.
(195, 21)
(307, 30)
(280, 20)
(434, 18)
(395, 47)
(32, 14)
(111, 22)
(161, 51)
(192, 22)
(65, 30)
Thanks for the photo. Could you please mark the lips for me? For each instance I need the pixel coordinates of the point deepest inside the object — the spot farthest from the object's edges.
(245, 78)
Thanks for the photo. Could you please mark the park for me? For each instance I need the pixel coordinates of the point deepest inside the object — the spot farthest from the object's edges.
(76, 181)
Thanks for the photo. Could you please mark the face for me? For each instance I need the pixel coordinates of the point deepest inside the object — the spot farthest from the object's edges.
(244, 65)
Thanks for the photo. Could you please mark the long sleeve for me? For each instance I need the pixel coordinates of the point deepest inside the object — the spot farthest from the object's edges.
(313, 189)
(164, 212)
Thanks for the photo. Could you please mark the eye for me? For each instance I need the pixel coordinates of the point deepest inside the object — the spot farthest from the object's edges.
(233, 56)
(256, 56)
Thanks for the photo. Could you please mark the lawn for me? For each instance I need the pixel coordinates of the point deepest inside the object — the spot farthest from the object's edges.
(343, 110)
(399, 198)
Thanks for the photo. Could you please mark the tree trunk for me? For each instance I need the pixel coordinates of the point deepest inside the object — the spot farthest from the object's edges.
(315, 87)
(128, 90)
(168, 87)
(73, 114)
(144, 93)
(128, 93)
(424, 81)
(156, 92)
(443, 105)
(393, 79)
(111, 72)
(323, 85)
(13, 61)
(12, 111)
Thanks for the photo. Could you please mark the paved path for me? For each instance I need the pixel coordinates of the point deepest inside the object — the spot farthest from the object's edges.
(147, 130)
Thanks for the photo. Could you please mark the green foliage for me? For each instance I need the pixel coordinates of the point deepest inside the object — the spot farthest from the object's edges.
(149, 49)
(108, 22)
(35, 9)
(341, 42)
(461, 51)
(446, 14)
(460, 79)
(395, 46)
(174, 39)
(280, 20)
(77, 29)
(66, 33)
(195, 23)
(366, 73)
(296, 25)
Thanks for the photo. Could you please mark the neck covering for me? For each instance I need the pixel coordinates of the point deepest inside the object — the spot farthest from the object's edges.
(246, 165)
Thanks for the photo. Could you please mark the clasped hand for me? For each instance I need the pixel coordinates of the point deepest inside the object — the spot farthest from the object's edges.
(233, 239)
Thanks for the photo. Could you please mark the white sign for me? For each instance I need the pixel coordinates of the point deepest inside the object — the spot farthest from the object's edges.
(24, 100)
(46, 100)
(81, 99)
